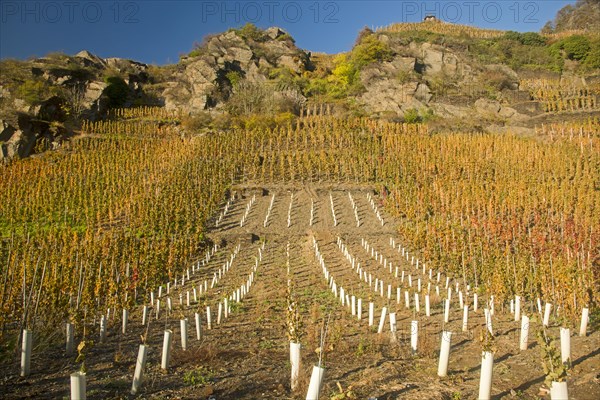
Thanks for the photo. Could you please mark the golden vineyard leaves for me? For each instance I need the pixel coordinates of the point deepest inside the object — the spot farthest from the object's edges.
(444, 29)
(557, 96)
(125, 209)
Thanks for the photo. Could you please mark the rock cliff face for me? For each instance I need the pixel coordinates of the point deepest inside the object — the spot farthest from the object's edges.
(206, 79)
(405, 82)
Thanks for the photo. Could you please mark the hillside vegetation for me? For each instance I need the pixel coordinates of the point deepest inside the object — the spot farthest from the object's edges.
(582, 16)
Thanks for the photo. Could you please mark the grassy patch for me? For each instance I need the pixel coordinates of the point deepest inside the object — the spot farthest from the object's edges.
(198, 377)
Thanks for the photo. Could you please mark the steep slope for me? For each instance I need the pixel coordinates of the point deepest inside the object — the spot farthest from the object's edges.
(452, 77)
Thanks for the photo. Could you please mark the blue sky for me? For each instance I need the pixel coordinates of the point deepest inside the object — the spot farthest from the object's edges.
(158, 31)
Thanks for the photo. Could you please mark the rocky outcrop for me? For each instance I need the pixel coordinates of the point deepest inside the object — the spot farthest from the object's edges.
(429, 76)
(21, 135)
(16, 141)
(402, 84)
(75, 83)
(90, 60)
(388, 88)
(442, 78)
(386, 96)
(206, 80)
(494, 109)
(203, 81)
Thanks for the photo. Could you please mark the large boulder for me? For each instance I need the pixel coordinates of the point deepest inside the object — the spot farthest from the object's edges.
(6, 130)
(93, 91)
(487, 106)
(493, 109)
(445, 110)
(16, 141)
(386, 96)
(391, 88)
(275, 32)
(122, 65)
(423, 93)
(20, 145)
(175, 94)
(193, 86)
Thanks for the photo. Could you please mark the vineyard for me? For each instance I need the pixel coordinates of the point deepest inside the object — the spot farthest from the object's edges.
(556, 96)
(574, 130)
(184, 266)
(443, 28)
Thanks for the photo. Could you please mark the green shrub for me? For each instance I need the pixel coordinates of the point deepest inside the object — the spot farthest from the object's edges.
(345, 72)
(411, 116)
(264, 122)
(197, 52)
(316, 87)
(198, 377)
(532, 39)
(251, 31)
(34, 91)
(234, 78)
(576, 47)
(414, 116)
(592, 59)
(370, 50)
(284, 118)
(527, 38)
(537, 58)
(426, 114)
(286, 79)
(344, 79)
(511, 50)
(116, 91)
